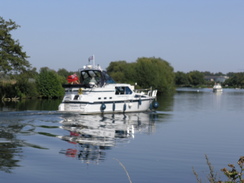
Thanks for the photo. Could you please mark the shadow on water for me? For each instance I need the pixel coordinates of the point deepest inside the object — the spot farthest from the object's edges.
(30, 104)
(166, 102)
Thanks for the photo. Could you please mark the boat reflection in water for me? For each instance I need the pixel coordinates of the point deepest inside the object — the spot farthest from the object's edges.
(94, 134)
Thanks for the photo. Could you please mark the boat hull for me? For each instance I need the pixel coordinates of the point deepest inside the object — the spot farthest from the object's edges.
(107, 107)
(217, 90)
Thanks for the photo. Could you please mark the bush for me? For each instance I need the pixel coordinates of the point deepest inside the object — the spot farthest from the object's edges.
(48, 84)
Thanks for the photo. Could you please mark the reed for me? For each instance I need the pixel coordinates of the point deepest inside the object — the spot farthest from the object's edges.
(233, 175)
(121, 164)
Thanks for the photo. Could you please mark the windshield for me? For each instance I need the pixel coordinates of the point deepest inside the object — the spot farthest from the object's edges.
(95, 78)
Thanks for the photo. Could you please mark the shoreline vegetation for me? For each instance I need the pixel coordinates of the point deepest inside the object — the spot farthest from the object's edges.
(234, 175)
(47, 84)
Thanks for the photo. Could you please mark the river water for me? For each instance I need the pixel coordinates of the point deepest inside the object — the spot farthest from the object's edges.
(39, 144)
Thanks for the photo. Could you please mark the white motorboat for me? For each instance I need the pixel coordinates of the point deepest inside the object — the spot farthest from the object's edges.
(98, 93)
(217, 88)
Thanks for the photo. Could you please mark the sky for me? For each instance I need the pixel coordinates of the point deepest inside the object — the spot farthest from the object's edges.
(202, 35)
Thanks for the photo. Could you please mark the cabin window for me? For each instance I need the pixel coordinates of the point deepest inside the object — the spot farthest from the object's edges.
(68, 90)
(122, 90)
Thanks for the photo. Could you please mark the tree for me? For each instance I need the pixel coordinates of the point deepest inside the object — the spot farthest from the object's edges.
(26, 84)
(12, 58)
(156, 73)
(146, 72)
(121, 71)
(236, 80)
(49, 85)
(63, 74)
(196, 78)
(181, 79)
(117, 70)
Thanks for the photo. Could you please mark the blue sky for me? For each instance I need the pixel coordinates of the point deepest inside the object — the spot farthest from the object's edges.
(203, 35)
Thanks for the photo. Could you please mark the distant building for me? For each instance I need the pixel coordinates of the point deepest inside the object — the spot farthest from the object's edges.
(217, 79)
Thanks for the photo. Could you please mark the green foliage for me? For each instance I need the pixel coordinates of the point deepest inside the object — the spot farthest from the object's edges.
(233, 175)
(236, 80)
(20, 85)
(21, 80)
(12, 58)
(146, 72)
(14, 68)
(156, 73)
(181, 79)
(121, 71)
(31, 84)
(7, 89)
(49, 85)
(63, 74)
(196, 78)
(117, 69)
(26, 84)
(212, 176)
(193, 78)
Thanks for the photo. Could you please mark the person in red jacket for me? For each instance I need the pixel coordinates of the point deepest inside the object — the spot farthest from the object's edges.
(73, 79)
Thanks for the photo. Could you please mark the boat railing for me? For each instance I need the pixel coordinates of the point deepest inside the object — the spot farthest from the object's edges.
(148, 91)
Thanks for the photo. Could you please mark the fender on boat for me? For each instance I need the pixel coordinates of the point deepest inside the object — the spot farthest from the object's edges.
(124, 107)
(113, 106)
(103, 107)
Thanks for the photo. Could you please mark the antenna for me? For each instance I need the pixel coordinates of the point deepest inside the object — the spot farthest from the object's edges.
(93, 61)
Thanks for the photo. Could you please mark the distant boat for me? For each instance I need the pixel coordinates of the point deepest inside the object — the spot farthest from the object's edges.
(217, 88)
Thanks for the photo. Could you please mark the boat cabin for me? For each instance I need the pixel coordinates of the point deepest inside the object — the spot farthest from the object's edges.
(94, 77)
